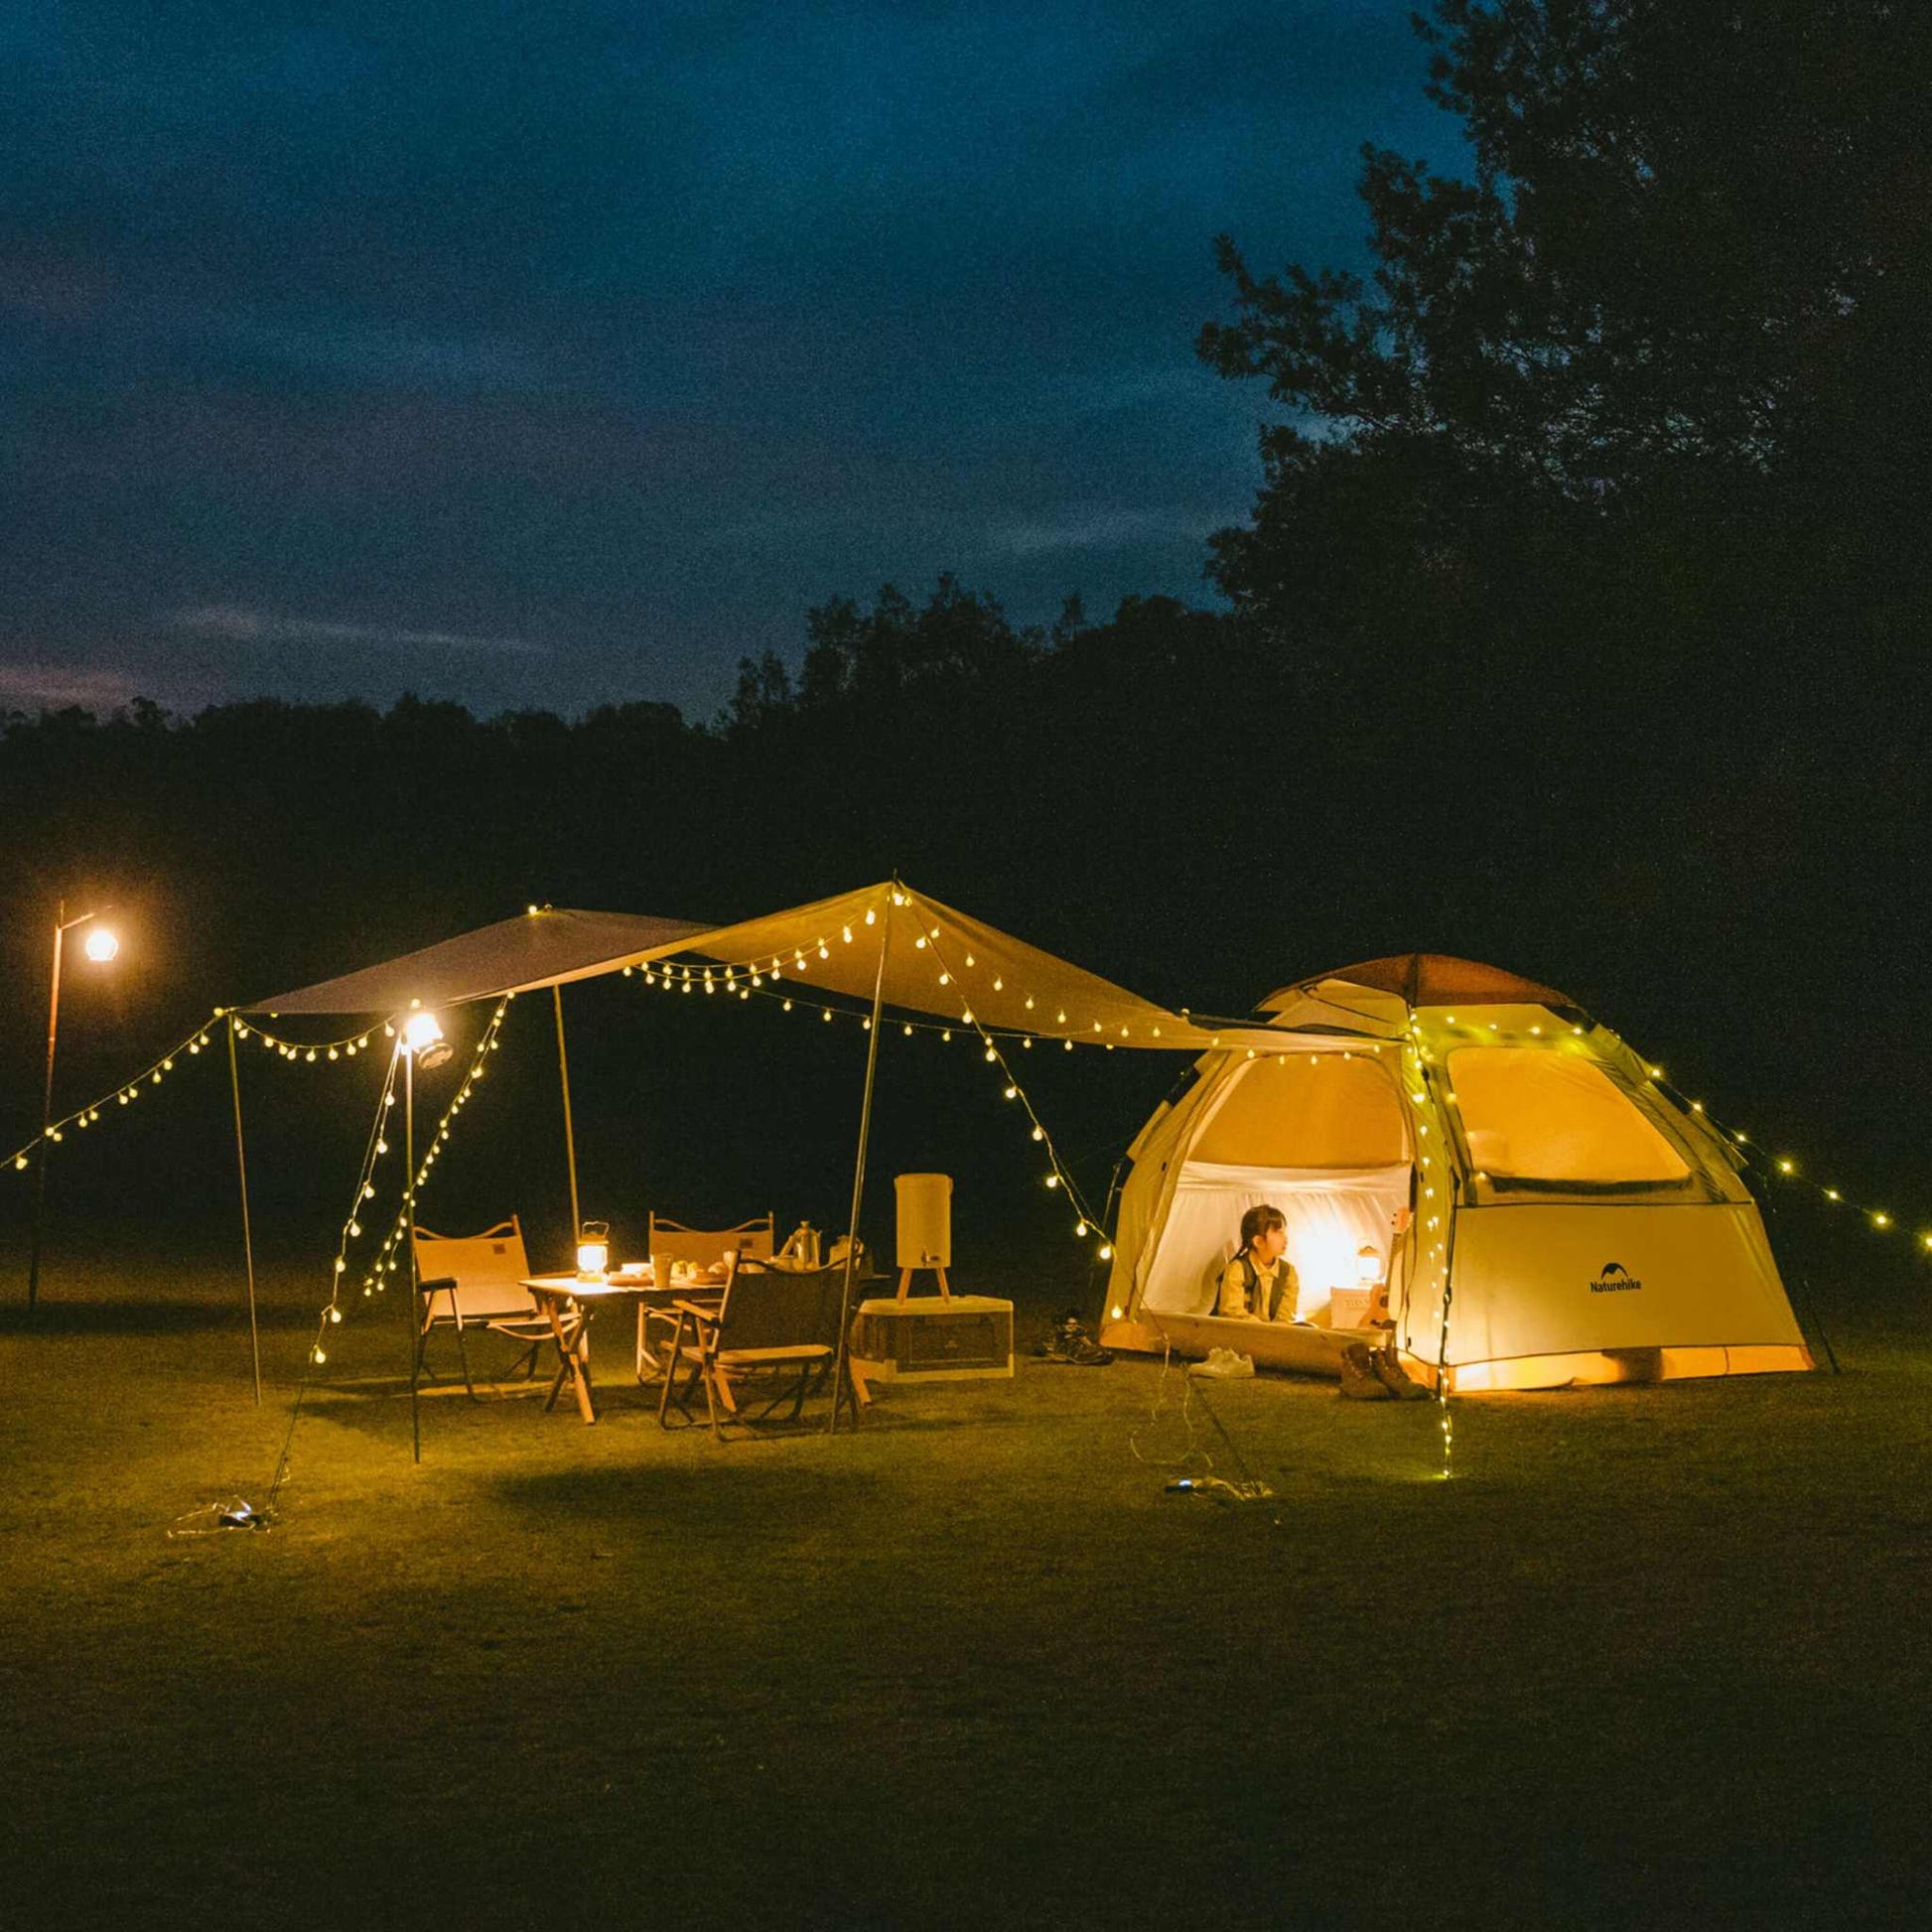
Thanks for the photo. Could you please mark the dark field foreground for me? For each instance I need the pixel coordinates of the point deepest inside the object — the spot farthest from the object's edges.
(1653, 1657)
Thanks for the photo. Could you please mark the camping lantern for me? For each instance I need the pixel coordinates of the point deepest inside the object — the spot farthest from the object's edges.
(422, 1039)
(1368, 1266)
(592, 1250)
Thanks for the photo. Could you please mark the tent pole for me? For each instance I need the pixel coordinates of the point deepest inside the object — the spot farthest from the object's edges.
(409, 1223)
(248, 1237)
(839, 1371)
(570, 1131)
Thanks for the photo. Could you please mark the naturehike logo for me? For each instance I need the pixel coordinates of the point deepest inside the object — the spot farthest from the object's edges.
(1615, 1280)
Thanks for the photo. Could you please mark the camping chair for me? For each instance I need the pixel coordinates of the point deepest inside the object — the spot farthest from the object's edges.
(769, 1321)
(703, 1248)
(475, 1281)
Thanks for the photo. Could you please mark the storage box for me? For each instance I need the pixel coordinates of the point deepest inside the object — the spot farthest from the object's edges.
(926, 1338)
(1348, 1308)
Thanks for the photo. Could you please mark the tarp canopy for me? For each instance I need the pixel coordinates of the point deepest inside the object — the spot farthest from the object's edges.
(921, 956)
(547, 946)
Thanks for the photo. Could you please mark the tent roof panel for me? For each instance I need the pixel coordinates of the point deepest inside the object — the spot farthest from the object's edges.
(1431, 979)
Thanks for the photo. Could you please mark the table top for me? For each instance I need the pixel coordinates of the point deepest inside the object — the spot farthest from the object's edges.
(617, 1286)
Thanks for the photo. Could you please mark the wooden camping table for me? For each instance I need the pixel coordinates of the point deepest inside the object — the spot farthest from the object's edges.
(554, 1294)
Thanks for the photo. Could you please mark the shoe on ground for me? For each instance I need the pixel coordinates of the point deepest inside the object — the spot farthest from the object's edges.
(1069, 1342)
(1359, 1381)
(1224, 1365)
(1082, 1351)
(1394, 1377)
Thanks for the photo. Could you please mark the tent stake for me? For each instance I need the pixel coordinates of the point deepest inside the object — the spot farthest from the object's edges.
(838, 1370)
(247, 1236)
(570, 1132)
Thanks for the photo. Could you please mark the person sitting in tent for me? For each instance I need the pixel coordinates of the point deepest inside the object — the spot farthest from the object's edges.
(1260, 1283)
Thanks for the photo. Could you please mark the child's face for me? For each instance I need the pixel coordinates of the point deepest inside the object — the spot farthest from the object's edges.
(1271, 1244)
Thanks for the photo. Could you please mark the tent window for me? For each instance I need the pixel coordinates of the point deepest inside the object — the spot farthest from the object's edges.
(1530, 1114)
(1300, 1110)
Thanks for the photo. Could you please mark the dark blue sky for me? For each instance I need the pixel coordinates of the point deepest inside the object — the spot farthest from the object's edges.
(540, 354)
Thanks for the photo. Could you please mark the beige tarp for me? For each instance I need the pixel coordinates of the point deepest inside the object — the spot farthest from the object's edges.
(937, 961)
(546, 946)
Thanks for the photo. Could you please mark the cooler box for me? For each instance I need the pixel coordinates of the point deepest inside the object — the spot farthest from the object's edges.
(1348, 1308)
(930, 1339)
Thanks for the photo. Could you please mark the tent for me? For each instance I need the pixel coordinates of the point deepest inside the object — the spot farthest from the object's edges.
(1544, 1211)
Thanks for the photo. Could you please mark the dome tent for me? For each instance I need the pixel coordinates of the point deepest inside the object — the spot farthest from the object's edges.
(1544, 1211)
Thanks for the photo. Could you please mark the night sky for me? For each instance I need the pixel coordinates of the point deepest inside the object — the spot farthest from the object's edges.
(543, 355)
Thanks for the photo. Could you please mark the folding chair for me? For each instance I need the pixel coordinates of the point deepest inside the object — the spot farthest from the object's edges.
(475, 1281)
(703, 1249)
(781, 1323)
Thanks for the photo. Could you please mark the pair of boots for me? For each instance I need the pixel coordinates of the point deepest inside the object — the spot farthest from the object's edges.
(1069, 1342)
(1376, 1375)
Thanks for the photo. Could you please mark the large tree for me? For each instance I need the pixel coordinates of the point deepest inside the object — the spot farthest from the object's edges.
(1647, 378)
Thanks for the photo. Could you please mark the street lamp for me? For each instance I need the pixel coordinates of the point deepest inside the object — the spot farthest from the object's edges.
(101, 946)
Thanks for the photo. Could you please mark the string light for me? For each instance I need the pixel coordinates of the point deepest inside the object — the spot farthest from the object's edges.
(388, 1255)
(1785, 1169)
(128, 1093)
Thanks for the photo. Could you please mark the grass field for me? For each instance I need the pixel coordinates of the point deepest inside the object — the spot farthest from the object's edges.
(1652, 1657)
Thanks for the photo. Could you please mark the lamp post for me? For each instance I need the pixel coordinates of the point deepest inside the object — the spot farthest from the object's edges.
(101, 946)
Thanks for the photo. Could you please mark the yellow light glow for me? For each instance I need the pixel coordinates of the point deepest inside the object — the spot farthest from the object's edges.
(1107, 1254)
(422, 1029)
(1787, 1167)
(101, 944)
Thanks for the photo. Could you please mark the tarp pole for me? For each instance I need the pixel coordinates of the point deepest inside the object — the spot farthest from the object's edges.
(409, 1222)
(247, 1236)
(570, 1131)
(839, 1372)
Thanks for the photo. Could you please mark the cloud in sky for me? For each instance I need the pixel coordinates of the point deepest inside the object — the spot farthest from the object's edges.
(257, 628)
(56, 687)
(638, 331)
(1106, 529)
